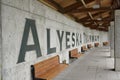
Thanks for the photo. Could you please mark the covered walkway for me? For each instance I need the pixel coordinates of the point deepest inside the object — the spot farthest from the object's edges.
(37, 38)
(96, 64)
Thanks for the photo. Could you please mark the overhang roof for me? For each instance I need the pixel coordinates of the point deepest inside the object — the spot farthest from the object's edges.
(95, 14)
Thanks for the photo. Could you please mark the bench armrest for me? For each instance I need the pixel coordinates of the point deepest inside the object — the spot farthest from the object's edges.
(33, 74)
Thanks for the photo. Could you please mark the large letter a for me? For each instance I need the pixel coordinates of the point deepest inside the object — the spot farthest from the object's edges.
(30, 24)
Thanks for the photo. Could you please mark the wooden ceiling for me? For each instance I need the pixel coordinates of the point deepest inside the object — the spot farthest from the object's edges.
(95, 14)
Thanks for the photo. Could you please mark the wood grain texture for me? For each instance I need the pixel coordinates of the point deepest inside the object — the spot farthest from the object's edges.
(49, 68)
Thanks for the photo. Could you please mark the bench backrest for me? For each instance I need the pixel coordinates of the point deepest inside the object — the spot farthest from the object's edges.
(96, 44)
(42, 67)
(74, 52)
(89, 45)
(105, 43)
(83, 47)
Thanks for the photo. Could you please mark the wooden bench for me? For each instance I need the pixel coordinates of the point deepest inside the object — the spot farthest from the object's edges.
(89, 46)
(47, 69)
(74, 53)
(83, 49)
(96, 44)
(105, 43)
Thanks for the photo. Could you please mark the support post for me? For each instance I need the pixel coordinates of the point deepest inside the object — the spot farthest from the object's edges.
(117, 41)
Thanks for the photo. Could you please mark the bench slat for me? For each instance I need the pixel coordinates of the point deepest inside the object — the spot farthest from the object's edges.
(83, 48)
(74, 53)
(89, 46)
(49, 68)
(50, 74)
(105, 43)
(96, 44)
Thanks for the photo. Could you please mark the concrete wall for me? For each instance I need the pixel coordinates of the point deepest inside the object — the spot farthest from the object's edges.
(104, 37)
(14, 14)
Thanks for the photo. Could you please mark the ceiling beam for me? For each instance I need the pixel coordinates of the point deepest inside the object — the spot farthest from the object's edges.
(98, 13)
(95, 14)
(75, 5)
(99, 28)
(98, 2)
(91, 25)
(56, 5)
(88, 1)
(89, 14)
(104, 20)
(90, 9)
(81, 6)
(88, 25)
(71, 15)
(103, 28)
(118, 4)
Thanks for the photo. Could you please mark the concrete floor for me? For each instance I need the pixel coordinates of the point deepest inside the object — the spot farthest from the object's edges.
(96, 64)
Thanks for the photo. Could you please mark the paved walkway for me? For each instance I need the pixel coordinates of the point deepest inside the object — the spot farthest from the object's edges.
(96, 64)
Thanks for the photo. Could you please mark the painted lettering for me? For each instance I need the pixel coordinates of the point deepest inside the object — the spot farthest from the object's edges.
(30, 24)
(80, 39)
(73, 39)
(77, 41)
(49, 50)
(60, 38)
(67, 40)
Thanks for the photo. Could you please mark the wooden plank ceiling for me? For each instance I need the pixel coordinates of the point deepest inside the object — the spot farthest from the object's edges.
(95, 14)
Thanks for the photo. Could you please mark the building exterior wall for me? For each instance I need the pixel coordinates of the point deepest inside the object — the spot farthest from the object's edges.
(20, 15)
